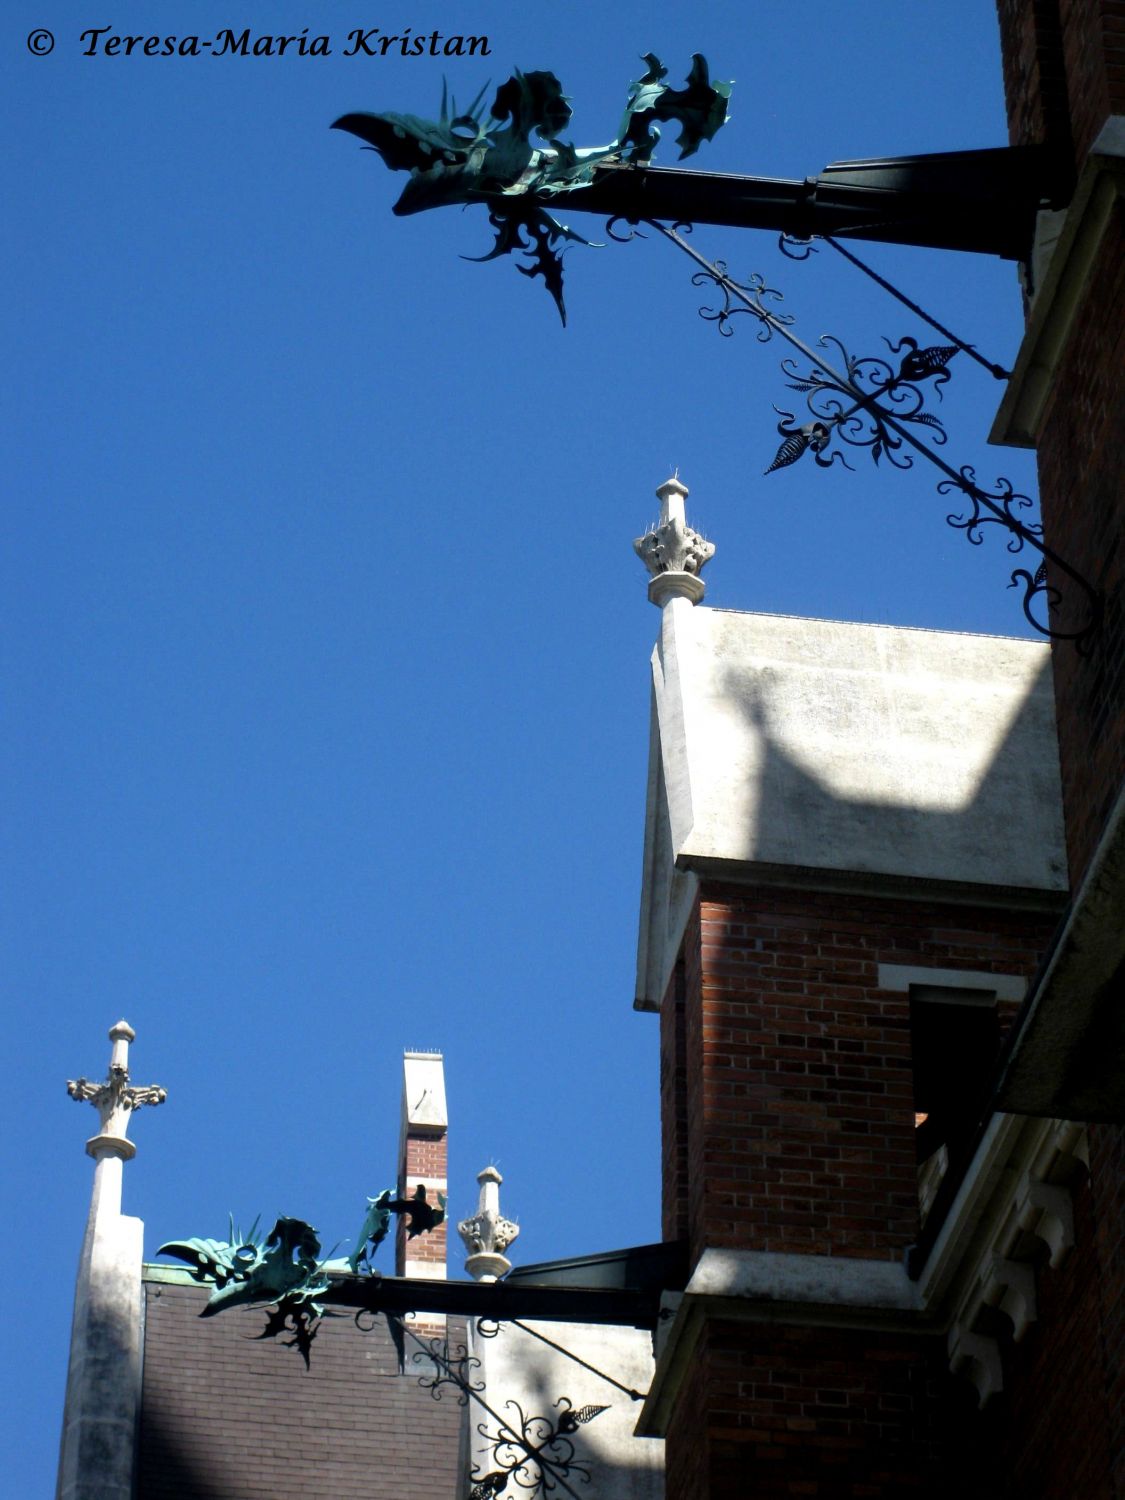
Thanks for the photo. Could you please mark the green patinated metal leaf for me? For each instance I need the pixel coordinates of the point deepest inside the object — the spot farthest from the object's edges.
(286, 1267)
(373, 1230)
(700, 109)
(468, 159)
(287, 1263)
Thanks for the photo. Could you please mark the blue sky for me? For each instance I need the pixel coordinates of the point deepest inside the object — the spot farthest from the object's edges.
(325, 650)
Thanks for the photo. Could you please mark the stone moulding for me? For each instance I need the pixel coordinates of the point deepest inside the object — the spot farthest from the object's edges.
(1016, 1197)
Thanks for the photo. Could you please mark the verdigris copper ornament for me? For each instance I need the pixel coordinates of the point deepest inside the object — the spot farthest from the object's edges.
(490, 159)
(286, 1268)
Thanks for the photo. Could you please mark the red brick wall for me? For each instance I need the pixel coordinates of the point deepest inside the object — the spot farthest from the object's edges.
(771, 1413)
(800, 1126)
(673, 1110)
(1035, 84)
(1107, 1185)
(1074, 1360)
(1064, 74)
(1064, 70)
(1094, 49)
(227, 1418)
(1082, 491)
(1049, 1425)
(425, 1156)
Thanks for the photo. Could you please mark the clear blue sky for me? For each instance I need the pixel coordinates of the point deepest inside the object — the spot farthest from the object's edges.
(326, 652)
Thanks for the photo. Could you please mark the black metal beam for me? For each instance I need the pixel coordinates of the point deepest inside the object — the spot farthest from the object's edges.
(981, 201)
(499, 1301)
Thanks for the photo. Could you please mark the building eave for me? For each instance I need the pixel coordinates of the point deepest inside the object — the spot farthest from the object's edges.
(1057, 302)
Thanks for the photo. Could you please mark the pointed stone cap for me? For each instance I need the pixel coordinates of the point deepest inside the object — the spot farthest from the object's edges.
(672, 552)
(487, 1235)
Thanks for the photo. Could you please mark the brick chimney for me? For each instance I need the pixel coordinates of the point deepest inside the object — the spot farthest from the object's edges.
(422, 1160)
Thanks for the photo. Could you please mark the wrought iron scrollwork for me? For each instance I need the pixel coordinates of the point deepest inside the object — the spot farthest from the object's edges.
(1005, 497)
(739, 297)
(855, 408)
(533, 1453)
(797, 247)
(450, 1366)
(871, 404)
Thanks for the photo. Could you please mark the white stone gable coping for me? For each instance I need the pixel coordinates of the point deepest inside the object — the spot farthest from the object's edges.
(832, 754)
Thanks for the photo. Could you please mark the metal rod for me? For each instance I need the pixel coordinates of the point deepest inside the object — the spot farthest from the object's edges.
(993, 369)
(593, 1369)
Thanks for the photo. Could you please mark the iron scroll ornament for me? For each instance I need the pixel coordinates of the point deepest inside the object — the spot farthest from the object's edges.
(470, 158)
(869, 404)
(530, 1454)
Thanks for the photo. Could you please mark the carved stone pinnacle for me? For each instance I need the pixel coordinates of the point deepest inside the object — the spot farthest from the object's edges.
(487, 1235)
(672, 552)
(116, 1098)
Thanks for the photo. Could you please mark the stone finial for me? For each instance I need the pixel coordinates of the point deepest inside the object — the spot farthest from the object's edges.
(116, 1098)
(672, 552)
(487, 1235)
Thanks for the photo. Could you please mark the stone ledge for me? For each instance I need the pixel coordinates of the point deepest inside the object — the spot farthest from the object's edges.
(760, 1286)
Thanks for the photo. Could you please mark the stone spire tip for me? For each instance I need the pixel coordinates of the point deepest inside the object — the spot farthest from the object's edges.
(672, 552)
(115, 1099)
(487, 1235)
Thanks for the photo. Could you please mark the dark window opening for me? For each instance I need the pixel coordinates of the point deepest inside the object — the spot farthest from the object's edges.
(955, 1041)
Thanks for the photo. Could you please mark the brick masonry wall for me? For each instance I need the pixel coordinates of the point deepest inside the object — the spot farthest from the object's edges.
(1107, 1179)
(1093, 33)
(771, 1413)
(1070, 1375)
(1064, 70)
(673, 1110)
(799, 1108)
(426, 1157)
(1082, 492)
(1048, 1427)
(1035, 84)
(227, 1418)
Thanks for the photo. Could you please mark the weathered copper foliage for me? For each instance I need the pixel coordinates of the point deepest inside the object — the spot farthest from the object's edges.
(478, 158)
(285, 1268)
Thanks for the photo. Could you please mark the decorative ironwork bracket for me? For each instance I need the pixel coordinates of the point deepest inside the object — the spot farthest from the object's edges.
(869, 404)
(981, 201)
(533, 1454)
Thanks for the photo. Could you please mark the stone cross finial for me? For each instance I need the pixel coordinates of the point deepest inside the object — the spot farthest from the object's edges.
(487, 1235)
(672, 552)
(116, 1098)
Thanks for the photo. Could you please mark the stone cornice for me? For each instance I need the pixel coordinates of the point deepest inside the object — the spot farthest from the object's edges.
(1015, 1195)
(756, 1286)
